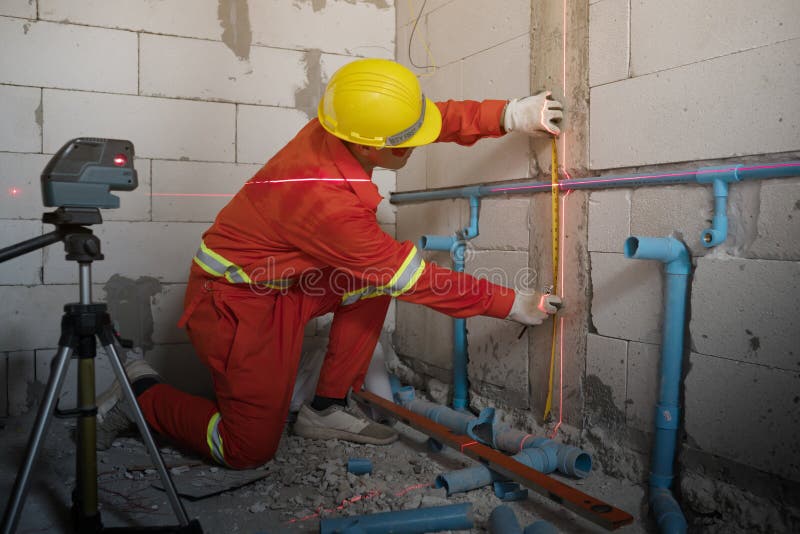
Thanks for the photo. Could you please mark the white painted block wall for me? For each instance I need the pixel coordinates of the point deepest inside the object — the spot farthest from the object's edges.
(683, 84)
(205, 107)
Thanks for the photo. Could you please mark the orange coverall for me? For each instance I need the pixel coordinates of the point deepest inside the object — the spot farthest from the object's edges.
(299, 240)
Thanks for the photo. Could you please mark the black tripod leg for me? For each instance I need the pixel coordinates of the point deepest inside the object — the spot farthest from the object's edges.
(155, 455)
(43, 418)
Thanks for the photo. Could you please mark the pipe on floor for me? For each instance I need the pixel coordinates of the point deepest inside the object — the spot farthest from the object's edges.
(540, 527)
(566, 459)
(471, 478)
(452, 419)
(417, 521)
(677, 264)
(502, 520)
(569, 460)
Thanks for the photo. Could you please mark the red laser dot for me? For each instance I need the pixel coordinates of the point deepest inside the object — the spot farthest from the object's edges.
(14, 192)
(120, 160)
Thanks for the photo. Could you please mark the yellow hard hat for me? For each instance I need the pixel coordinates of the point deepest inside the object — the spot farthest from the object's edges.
(378, 102)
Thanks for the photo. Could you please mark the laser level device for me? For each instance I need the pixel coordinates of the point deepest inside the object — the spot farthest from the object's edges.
(84, 171)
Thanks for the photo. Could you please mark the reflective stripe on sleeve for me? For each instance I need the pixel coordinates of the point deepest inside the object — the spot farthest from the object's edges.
(407, 275)
(403, 280)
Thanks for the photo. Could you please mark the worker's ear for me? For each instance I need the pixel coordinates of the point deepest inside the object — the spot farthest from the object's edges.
(362, 150)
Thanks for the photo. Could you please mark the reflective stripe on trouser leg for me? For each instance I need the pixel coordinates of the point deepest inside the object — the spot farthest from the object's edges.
(215, 440)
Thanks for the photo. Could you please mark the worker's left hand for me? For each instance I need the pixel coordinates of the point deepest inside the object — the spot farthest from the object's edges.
(531, 308)
(537, 115)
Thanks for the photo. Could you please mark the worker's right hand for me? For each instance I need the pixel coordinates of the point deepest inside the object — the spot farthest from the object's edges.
(532, 308)
(537, 115)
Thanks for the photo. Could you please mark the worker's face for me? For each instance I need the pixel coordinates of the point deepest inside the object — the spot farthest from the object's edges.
(391, 158)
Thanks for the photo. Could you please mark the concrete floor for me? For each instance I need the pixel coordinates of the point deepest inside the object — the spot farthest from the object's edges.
(306, 476)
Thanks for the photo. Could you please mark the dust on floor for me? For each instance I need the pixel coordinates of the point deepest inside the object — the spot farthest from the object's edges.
(307, 479)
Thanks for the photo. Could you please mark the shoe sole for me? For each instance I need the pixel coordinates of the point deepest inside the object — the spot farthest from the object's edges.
(315, 432)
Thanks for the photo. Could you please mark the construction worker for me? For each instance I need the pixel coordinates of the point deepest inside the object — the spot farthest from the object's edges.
(300, 240)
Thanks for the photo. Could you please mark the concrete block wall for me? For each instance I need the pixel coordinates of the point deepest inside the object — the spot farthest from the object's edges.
(673, 86)
(208, 91)
(464, 51)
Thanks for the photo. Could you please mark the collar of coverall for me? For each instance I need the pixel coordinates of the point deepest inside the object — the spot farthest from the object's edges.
(350, 168)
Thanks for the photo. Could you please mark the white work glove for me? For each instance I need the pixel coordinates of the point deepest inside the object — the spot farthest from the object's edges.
(534, 115)
(532, 308)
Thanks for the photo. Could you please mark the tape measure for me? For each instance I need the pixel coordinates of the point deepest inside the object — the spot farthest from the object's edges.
(554, 197)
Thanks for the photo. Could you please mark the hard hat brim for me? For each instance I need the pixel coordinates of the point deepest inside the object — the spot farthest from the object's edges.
(430, 129)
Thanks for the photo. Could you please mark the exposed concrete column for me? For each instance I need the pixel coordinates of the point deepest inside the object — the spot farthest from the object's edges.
(549, 71)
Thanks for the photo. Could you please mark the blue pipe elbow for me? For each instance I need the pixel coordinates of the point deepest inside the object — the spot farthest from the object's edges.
(720, 177)
(668, 250)
(471, 231)
(568, 460)
(667, 512)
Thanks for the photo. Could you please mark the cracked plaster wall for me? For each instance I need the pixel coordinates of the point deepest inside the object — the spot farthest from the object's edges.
(207, 90)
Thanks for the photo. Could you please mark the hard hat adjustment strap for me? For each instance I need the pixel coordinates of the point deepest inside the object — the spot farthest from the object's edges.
(408, 133)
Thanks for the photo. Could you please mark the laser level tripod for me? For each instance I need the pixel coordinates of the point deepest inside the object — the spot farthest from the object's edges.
(78, 180)
(82, 324)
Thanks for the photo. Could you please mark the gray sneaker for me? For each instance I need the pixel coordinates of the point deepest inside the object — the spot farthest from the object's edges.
(335, 422)
(114, 416)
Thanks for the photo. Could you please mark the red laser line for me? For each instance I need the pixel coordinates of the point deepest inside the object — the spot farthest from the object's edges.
(562, 233)
(295, 180)
(645, 177)
(370, 494)
(469, 444)
(225, 195)
(412, 488)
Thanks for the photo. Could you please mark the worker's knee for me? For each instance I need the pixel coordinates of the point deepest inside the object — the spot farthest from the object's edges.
(247, 452)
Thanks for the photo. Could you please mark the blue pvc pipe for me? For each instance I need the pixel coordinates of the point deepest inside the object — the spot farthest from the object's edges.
(456, 421)
(417, 521)
(540, 527)
(437, 242)
(720, 177)
(674, 255)
(456, 245)
(569, 460)
(359, 466)
(502, 520)
(478, 476)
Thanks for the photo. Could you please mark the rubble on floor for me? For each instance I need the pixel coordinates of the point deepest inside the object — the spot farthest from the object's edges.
(307, 480)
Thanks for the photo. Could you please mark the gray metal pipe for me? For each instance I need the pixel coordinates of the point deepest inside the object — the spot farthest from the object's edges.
(763, 171)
